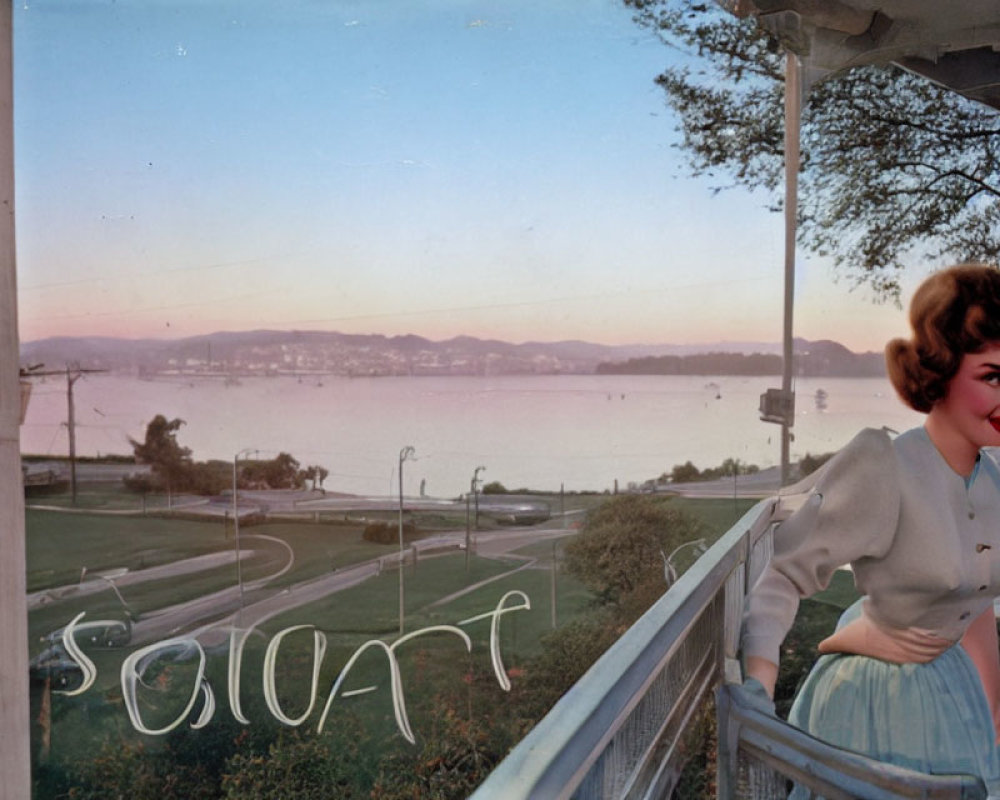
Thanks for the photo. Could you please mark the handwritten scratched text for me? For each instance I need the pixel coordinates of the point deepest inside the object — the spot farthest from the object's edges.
(136, 664)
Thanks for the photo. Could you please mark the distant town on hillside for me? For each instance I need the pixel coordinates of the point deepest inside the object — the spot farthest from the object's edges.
(303, 353)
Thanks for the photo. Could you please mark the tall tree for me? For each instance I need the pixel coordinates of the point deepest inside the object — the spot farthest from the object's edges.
(280, 472)
(894, 167)
(160, 449)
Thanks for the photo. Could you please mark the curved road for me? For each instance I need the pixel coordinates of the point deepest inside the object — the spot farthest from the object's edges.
(210, 617)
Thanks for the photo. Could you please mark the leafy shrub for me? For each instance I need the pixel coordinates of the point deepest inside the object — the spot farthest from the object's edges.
(388, 532)
(295, 767)
(619, 554)
(142, 483)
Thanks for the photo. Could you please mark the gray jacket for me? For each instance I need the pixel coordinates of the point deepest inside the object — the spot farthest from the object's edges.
(924, 548)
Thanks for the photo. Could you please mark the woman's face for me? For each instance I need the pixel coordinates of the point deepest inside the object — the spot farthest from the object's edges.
(971, 406)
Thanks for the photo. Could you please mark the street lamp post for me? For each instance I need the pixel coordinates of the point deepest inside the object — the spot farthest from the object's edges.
(475, 491)
(472, 488)
(468, 528)
(405, 454)
(236, 523)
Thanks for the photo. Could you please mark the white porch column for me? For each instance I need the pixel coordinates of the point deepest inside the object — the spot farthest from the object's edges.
(15, 762)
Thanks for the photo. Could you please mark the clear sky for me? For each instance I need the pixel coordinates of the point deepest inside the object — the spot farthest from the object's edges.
(438, 167)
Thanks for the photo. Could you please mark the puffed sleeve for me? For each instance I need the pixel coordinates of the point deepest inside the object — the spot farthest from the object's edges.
(850, 513)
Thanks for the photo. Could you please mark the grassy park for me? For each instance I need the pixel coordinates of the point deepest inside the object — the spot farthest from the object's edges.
(96, 562)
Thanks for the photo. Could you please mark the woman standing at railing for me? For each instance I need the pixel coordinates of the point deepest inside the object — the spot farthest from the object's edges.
(912, 674)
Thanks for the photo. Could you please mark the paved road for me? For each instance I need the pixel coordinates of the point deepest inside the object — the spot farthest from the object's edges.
(211, 617)
(98, 582)
(308, 501)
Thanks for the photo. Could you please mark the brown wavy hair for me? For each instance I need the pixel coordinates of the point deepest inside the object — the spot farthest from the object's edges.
(953, 312)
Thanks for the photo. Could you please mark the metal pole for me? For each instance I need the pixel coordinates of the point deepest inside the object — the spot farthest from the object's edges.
(404, 454)
(401, 611)
(236, 529)
(71, 428)
(736, 471)
(15, 755)
(475, 492)
(793, 112)
(553, 588)
(467, 532)
(236, 533)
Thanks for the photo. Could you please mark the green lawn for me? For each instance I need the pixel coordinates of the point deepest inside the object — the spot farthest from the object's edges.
(372, 608)
(718, 514)
(61, 545)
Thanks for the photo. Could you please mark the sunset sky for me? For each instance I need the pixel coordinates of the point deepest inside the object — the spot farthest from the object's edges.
(438, 167)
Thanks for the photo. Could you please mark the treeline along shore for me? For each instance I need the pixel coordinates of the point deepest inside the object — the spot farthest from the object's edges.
(703, 364)
(813, 359)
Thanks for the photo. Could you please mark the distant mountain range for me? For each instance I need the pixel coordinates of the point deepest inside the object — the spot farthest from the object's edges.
(273, 352)
(821, 358)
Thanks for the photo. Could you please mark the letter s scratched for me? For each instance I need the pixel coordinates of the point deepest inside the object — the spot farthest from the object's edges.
(87, 667)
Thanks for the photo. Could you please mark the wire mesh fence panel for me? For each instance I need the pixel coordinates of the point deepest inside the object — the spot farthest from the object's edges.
(660, 734)
(755, 780)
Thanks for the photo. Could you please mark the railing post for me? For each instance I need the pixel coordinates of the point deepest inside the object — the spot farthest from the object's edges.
(727, 759)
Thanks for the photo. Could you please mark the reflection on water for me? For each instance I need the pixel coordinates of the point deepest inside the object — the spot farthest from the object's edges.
(584, 432)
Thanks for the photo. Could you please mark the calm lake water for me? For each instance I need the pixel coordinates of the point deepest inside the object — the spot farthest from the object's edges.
(582, 431)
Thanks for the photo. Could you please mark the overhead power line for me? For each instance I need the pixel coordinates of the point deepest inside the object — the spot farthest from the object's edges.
(73, 373)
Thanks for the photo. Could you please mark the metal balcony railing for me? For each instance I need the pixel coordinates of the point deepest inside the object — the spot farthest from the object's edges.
(623, 730)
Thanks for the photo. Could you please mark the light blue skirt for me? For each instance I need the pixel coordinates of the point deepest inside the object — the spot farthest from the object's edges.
(931, 717)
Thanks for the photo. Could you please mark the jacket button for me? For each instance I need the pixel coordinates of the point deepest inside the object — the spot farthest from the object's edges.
(983, 588)
(972, 515)
(966, 615)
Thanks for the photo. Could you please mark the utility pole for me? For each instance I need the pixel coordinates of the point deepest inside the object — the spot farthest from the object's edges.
(778, 405)
(793, 115)
(71, 429)
(73, 374)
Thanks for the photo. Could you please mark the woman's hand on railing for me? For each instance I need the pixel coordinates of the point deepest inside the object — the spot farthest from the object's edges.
(763, 671)
(756, 696)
